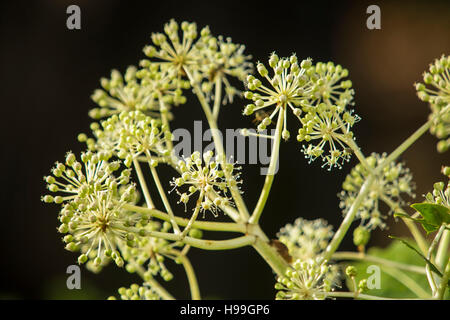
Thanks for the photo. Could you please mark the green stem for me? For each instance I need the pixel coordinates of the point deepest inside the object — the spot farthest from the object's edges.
(442, 251)
(433, 245)
(266, 251)
(344, 255)
(162, 193)
(357, 151)
(202, 243)
(406, 144)
(218, 144)
(217, 97)
(165, 121)
(420, 240)
(271, 256)
(349, 217)
(271, 172)
(194, 215)
(192, 279)
(148, 198)
(444, 282)
(203, 225)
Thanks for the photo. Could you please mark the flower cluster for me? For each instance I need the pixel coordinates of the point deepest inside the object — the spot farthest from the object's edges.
(439, 99)
(128, 135)
(81, 179)
(330, 127)
(306, 239)
(176, 53)
(92, 214)
(316, 95)
(208, 59)
(286, 90)
(389, 185)
(206, 177)
(136, 292)
(328, 86)
(441, 191)
(142, 90)
(99, 227)
(222, 58)
(150, 251)
(307, 280)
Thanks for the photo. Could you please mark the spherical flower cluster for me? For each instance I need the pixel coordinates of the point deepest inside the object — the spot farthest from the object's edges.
(164, 88)
(306, 239)
(127, 93)
(136, 292)
(206, 177)
(307, 280)
(176, 53)
(318, 98)
(286, 89)
(327, 86)
(150, 251)
(208, 59)
(389, 185)
(92, 214)
(327, 130)
(99, 227)
(438, 97)
(441, 191)
(80, 179)
(222, 58)
(129, 135)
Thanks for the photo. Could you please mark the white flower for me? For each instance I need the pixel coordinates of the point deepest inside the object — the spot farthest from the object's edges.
(307, 280)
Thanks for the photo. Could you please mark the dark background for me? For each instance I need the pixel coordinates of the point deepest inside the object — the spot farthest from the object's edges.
(48, 73)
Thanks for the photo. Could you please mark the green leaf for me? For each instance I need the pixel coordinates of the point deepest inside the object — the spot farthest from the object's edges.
(433, 215)
(432, 266)
(427, 226)
(390, 286)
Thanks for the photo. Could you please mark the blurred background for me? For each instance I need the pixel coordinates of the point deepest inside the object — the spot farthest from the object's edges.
(49, 72)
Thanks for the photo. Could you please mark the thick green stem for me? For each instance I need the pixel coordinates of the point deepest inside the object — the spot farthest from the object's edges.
(271, 256)
(204, 225)
(266, 251)
(430, 276)
(271, 172)
(444, 282)
(442, 251)
(202, 243)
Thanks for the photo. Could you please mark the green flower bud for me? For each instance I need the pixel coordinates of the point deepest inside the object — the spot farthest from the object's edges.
(351, 271)
(196, 233)
(361, 236)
